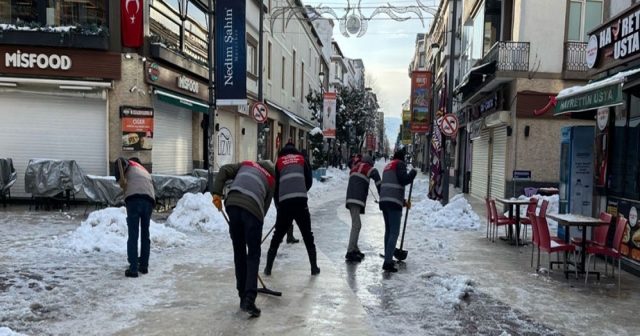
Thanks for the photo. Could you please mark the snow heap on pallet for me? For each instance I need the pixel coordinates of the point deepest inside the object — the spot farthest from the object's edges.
(457, 215)
(106, 231)
(196, 213)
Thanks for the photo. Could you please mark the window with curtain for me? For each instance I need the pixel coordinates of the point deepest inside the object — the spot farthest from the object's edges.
(477, 44)
(584, 15)
(252, 59)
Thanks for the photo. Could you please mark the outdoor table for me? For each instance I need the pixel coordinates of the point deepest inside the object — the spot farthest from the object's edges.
(103, 190)
(514, 203)
(8, 177)
(548, 191)
(47, 179)
(569, 220)
(175, 186)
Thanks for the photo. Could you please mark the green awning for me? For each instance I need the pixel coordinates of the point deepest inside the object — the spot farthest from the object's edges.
(181, 101)
(605, 92)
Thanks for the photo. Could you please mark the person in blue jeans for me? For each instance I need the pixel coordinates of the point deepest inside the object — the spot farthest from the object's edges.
(394, 180)
(139, 198)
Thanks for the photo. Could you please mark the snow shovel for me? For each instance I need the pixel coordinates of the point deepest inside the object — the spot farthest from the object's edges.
(399, 253)
(374, 195)
(264, 289)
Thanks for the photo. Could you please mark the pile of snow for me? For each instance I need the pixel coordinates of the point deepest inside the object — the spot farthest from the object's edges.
(453, 290)
(4, 331)
(553, 208)
(458, 215)
(196, 213)
(106, 231)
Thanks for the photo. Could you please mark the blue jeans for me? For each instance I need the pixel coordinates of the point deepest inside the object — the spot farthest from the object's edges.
(138, 216)
(246, 233)
(392, 219)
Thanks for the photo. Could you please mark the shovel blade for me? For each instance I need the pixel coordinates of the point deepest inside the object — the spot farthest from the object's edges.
(400, 254)
(269, 292)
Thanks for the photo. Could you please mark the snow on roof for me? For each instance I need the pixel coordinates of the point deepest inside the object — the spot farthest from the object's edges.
(620, 77)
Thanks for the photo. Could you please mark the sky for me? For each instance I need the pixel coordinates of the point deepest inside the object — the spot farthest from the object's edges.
(386, 50)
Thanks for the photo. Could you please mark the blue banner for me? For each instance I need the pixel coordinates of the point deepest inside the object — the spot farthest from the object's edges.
(231, 53)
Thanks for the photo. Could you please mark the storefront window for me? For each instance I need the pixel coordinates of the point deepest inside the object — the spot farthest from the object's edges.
(617, 154)
(54, 12)
(633, 146)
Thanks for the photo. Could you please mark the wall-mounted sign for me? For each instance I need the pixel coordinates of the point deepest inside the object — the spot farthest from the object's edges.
(592, 51)
(231, 52)
(610, 95)
(37, 61)
(225, 147)
(521, 175)
(489, 104)
(602, 118)
(175, 81)
(137, 128)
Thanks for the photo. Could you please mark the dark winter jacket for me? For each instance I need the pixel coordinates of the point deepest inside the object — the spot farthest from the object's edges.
(252, 188)
(359, 178)
(293, 175)
(136, 182)
(394, 179)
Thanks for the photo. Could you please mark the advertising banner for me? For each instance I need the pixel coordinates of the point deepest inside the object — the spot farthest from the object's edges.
(631, 238)
(231, 53)
(137, 128)
(329, 114)
(406, 127)
(371, 142)
(131, 16)
(435, 184)
(420, 101)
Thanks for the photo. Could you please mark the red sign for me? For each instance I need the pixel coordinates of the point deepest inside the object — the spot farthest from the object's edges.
(371, 142)
(259, 112)
(137, 128)
(449, 125)
(420, 101)
(132, 22)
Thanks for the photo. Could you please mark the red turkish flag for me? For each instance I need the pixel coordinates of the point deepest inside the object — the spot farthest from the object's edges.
(131, 16)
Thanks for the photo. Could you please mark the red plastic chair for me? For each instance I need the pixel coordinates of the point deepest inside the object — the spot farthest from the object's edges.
(543, 209)
(489, 217)
(526, 221)
(600, 236)
(543, 223)
(549, 245)
(499, 220)
(613, 252)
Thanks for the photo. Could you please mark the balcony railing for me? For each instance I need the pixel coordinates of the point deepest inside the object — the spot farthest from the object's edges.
(575, 57)
(509, 56)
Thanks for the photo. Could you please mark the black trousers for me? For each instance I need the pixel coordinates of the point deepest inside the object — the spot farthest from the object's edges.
(288, 211)
(246, 234)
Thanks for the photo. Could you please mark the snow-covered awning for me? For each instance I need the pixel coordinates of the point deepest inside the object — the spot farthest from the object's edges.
(603, 93)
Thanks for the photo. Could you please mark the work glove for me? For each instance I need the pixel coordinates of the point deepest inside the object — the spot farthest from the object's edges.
(413, 173)
(407, 204)
(217, 202)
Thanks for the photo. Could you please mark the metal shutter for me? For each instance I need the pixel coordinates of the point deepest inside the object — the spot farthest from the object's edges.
(49, 127)
(498, 161)
(172, 139)
(480, 165)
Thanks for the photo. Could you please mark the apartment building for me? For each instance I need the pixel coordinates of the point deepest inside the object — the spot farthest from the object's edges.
(516, 55)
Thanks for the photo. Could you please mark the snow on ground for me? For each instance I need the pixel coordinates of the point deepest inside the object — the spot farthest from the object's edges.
(457, 215)
(8, 332)
(106, 231)
(336, 179)
(196, 213)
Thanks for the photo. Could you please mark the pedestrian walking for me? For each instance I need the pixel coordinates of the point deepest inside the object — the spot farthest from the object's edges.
(139, 198)
(357, 192)
(394, 180)
(247, 203)
(293, 181)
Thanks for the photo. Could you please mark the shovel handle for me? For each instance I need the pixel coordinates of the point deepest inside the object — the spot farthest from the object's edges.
(406, 216)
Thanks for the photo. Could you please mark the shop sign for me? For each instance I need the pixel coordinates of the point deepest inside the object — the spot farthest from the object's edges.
(40, 61)
(175, 81)
(521, 175)
(231, 52)
(137, 128)
(420, 101)
(592, 51)
(605, 96)
(624, 35)
(225, 147)
(603, 118)
(489, 104)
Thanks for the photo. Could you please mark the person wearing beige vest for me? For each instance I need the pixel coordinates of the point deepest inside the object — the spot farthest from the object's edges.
(139, 198)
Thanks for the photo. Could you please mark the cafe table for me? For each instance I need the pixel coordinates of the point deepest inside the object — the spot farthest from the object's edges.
(574, 220)
(514, 203)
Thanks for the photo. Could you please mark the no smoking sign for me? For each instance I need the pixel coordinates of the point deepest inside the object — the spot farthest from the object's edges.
(449, 125)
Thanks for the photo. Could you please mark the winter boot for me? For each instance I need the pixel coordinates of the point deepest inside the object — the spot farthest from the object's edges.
(353, 256)
(358, 252)
(249, 306)
(130, 274)
(389, 267)
(290, 238)
(312, 260)
(271, 256)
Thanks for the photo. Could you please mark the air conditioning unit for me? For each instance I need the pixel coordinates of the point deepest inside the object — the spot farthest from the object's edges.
(499, 118)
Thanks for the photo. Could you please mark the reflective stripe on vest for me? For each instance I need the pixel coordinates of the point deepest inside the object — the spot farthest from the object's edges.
(362, 170)
(292, 180)
(391, 190)
(358, 188)
(253, 181)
